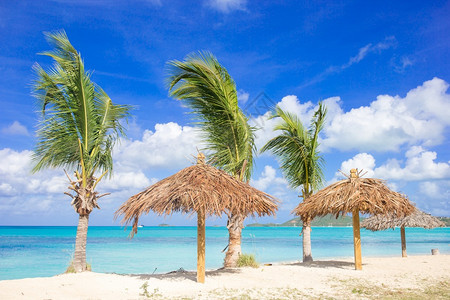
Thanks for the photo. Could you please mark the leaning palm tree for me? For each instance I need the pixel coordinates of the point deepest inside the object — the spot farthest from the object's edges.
(77, 129)
(301, 163)
(209, 91)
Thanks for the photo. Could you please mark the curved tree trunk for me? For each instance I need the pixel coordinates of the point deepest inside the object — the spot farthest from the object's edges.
(235, 225)
(79, 258)
(306, 231)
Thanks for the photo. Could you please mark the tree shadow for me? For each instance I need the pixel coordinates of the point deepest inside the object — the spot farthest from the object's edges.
(326, 264)
(182, 274)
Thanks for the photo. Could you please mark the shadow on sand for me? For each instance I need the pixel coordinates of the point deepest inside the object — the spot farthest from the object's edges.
(182, 274)
(326, 264)
(192, 275)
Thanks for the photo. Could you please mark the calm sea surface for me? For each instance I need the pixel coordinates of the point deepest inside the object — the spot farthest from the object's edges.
(46, 251)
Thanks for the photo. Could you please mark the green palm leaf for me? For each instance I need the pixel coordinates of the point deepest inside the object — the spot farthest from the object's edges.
(79, 123)
(210, 92)
(297, 150)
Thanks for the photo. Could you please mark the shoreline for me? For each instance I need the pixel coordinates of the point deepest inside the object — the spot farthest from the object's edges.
(332, 278)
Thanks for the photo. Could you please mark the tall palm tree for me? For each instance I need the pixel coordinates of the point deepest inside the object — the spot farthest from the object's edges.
(301, 162)
(77, 129)
(209, 91)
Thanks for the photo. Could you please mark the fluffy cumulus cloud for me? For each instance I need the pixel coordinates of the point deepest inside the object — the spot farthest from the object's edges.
(361, 161)
(16, 128)
(23, 192)
(268, 179)
(419, 171)
(419, 165)
(16, 177)
(389, 122)
(276, 185)
(168, 146)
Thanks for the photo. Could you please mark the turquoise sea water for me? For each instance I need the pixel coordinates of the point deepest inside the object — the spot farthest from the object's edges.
(46, 251)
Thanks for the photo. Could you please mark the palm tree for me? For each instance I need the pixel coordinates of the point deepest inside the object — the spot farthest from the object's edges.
(209, 91)
(78, 128)
(301, 162)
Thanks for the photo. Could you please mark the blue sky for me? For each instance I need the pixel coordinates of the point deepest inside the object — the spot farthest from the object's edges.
(381, 67)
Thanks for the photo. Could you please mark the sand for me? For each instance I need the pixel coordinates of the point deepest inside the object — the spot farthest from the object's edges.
(320, 279)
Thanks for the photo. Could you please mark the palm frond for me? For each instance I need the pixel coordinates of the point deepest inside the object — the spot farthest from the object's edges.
(210, 92)
(296, 149)
(78, 122)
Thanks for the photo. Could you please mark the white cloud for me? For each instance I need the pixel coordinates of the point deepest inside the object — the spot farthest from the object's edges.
(16, 129)
(419, 165)
(36, 192)
(127, 180)
(17, 179)
(276, 186)
(6, 189)
(419, 171)
(435, 189)
(226, 6)
(361, 161)
(390, 122)
(169, 146)
(434, 197)
(268, 179)
(242, 96)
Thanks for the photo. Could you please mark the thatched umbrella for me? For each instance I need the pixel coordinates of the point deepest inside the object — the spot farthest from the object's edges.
(355, 195)
(416, 219)
(203, 189)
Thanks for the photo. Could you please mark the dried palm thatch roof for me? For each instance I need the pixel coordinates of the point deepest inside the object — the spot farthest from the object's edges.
(416, 219)
(194, 188)
(368, 195)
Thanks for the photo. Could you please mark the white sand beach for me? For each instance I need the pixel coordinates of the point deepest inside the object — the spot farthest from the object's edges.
(419, 276)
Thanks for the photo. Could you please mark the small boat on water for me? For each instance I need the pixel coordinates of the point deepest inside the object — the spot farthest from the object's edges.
(140, 226)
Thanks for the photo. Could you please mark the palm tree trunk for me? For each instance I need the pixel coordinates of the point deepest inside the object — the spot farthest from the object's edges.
(235, 225)
(403, 237)
(79, 258)
(306, 231)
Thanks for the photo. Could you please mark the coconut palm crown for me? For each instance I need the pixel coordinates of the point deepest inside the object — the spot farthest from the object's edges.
(209, 91)
(78, 127)
(296, 148)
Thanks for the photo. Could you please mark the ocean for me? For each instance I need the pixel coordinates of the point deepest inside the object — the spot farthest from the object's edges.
(27, 251)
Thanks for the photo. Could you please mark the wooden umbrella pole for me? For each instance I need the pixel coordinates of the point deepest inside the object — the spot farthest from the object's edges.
(357, 240)
(201, 246)
(402, 232)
